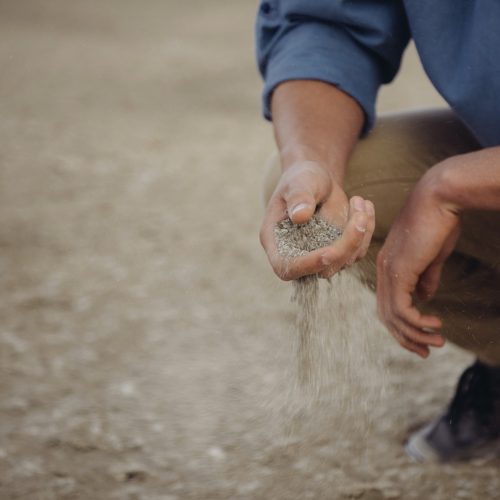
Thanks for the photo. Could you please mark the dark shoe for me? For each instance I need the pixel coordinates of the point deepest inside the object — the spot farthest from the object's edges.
(470, 428)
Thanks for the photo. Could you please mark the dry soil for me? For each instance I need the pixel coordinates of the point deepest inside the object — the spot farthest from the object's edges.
(143, 336)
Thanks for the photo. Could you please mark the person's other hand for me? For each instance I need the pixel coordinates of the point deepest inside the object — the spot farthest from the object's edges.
(304, 188)
(411, 260)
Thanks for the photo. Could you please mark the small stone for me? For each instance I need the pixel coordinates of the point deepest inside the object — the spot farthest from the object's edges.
(246, 488)
(216, 453)
(64, 485)
(129, 472)
(127, 388)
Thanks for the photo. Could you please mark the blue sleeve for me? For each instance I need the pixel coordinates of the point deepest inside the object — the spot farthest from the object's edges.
(355, 45)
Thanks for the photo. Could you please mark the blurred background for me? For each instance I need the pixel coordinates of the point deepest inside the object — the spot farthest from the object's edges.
(141, 327)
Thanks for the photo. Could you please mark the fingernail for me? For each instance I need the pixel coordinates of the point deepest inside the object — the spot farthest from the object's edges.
(299, 207)
(369, 209)
(359, 204)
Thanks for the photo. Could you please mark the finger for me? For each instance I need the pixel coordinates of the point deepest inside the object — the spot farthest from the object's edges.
(313, 263)
(330, 271)
(396, 290)
(408, 344)
(327, 260)
(411, 315)
(303, 191)
(343, 252)
(370, 228)
(333, 257)
(356, 204)
(418, 336)
(301, 205)
(276, 211)
(429, 281)
(293, 268)
(404, 334)
(395, 318)
(420, 350)
(352, 237)
(382, 298)
(351, 246)
(357, 255)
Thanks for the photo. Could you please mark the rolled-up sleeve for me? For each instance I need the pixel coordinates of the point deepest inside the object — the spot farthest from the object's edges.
(354, 45)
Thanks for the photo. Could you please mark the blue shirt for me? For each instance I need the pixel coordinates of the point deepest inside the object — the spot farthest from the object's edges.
(357, 45)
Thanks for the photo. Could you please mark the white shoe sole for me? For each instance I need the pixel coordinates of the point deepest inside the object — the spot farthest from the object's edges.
(419, 449)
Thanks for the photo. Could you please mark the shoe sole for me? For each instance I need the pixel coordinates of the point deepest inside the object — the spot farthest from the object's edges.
(419, 450)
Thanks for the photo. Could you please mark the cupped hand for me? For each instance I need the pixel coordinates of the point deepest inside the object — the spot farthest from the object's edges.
(410, 262)
(304, 188)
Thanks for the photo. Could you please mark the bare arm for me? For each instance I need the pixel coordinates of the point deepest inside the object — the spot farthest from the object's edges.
(470, 181)
(431, 214)
(314, 121)
(316, 127)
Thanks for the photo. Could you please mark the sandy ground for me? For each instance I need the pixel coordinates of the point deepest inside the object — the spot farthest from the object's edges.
(141, 328)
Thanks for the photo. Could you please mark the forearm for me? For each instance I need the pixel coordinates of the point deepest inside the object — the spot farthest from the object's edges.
(470, 181)
(314, 121)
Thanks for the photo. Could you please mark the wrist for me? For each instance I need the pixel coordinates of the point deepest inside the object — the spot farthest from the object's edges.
(445, 186)
(468, 182)
(312, 158)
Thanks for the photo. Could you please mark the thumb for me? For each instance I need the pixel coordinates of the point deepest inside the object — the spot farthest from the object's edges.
(300, 205)
(305, 185)
(429, 281)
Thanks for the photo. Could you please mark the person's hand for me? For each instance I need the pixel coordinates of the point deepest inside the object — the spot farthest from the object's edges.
(411, 260)
(303, 188)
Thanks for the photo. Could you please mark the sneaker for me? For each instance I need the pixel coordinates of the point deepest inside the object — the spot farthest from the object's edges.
(470, 428)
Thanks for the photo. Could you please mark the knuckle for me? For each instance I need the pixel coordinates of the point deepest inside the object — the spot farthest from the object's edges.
(284, 275)
(281, 271)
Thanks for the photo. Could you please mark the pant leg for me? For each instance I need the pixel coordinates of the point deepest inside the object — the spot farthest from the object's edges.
(383, 168)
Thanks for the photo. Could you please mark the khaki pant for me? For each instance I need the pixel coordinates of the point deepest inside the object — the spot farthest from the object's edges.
(383, 169)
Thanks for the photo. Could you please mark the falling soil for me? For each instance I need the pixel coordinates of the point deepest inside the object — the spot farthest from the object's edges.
(332, 364)
(295, 240)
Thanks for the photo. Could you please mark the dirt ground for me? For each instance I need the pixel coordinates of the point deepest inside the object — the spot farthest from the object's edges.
(142, 332)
